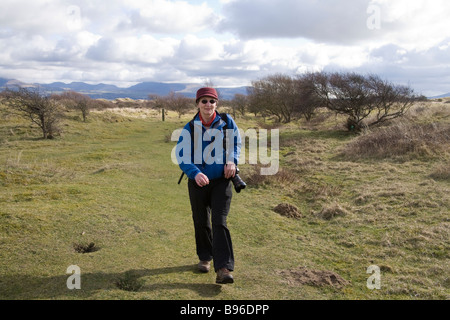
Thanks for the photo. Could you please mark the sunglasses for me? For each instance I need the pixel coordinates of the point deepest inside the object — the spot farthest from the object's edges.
(204, 101)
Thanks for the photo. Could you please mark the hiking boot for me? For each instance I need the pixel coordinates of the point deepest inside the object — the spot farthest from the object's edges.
(224, 276)
(204, 266)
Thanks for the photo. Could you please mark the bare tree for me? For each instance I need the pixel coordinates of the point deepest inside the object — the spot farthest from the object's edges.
(178, 103)
(274, 95)
(38, 108)
(158, 103)
(239, 103)
(254, 101)
(76, 101)
(308, 100)
(173, 101)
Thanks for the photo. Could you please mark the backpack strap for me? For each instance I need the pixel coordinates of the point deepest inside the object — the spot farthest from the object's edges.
(191, 125)
(224, 119)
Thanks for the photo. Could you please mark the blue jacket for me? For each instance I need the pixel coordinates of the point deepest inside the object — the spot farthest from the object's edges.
(204, 151)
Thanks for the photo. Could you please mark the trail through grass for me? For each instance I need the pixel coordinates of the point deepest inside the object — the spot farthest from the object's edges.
(109, 184)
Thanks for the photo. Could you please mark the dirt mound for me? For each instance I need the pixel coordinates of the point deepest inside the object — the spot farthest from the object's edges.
(288, 210)
(318, 278)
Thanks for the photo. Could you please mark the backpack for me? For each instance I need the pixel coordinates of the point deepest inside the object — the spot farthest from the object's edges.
(224, 118)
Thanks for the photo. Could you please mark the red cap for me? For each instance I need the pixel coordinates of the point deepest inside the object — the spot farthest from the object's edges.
(210, 92)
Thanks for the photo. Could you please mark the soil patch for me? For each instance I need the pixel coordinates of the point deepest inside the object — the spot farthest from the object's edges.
(85, 247)
(288, 210)
(318, 278)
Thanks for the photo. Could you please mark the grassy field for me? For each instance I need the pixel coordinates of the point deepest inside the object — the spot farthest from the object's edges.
(108, 187)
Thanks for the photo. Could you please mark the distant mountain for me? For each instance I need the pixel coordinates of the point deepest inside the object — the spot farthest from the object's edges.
(81, 86)
(3, 82)
(106, 91)
(156, 88)
(446, 95)
(11, 83)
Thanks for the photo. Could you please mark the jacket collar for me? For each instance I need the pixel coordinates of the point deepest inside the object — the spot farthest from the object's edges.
(216, 123)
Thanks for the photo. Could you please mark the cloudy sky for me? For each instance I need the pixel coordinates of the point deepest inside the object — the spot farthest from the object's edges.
(227, 42)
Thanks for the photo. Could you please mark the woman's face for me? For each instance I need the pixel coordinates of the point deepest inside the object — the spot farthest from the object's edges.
(207, 108)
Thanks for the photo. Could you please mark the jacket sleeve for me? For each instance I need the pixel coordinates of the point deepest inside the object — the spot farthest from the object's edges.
(184, 153)
(234, 150)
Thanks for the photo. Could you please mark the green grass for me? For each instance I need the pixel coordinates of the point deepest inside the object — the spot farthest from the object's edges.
(110, 182)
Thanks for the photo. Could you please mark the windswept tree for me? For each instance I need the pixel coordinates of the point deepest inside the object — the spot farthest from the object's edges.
(367, 100)
(274, 95)
(38, 108)
(389, 100)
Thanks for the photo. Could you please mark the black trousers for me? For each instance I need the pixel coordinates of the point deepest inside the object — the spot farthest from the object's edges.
(210, 206)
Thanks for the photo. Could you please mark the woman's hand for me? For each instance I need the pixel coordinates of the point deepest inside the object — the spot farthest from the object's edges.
(229, 170)
(201, 179)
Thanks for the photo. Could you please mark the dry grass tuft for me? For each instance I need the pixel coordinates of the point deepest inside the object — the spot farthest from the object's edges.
(253, 177)
(331, 211)
(401, 139)
(441, 173)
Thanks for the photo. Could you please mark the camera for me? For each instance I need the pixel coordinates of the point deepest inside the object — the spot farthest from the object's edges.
(238, 183)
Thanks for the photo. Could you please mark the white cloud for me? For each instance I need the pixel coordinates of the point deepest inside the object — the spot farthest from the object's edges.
(428, 71)
(418, 24)
(199, 49)
(326, 20)
(32, 17)
(162, 16)
(133, 50)
(412, 23)
(227, 41)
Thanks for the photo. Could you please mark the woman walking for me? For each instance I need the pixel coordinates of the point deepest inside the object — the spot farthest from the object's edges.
(209, 163)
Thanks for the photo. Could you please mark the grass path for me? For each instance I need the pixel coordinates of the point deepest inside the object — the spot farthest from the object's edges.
(111, 182)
